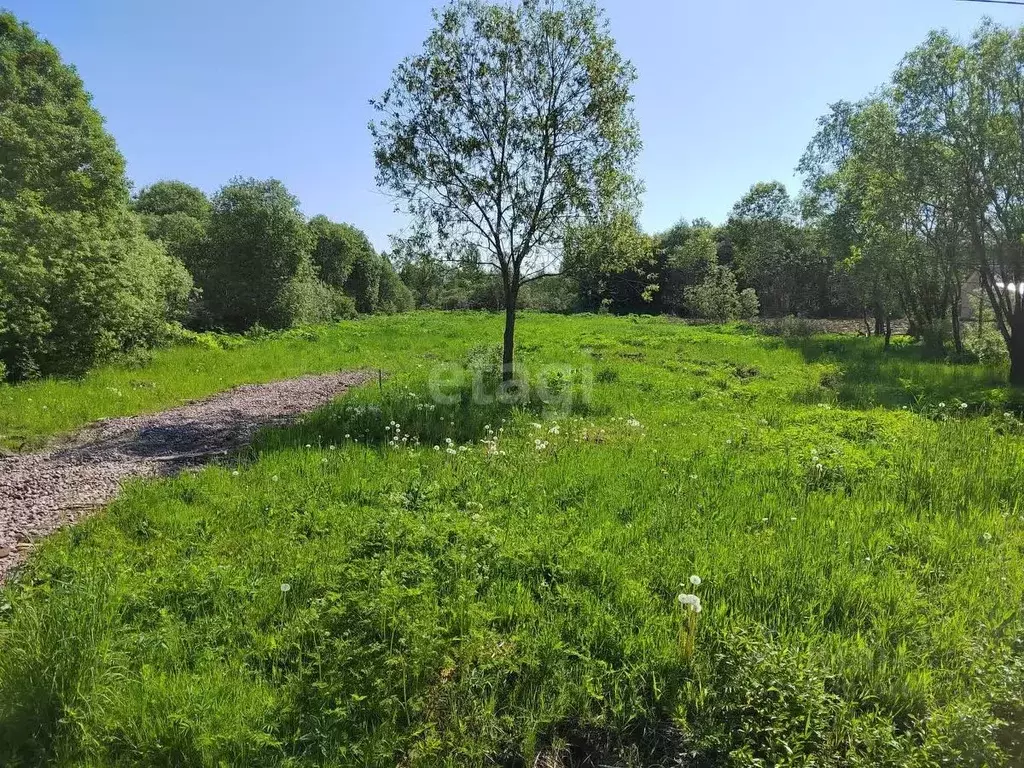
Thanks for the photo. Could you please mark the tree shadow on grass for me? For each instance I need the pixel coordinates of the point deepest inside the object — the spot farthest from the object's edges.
(859, 372)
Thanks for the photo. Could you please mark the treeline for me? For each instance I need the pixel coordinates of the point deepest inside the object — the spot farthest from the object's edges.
(88, 273)
(766, 259)
(920, 187)
(256, 261)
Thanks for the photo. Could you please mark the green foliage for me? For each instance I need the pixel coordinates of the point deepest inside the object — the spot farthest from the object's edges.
(79, 282)
(718, 297)
(305, 300)
(178, 215)
(513, 124)
(52, 141)
(778, 256)
(611, 261)
(393, 295)
(74, 290)
(336, 249)
(259, 243)
(508, 604)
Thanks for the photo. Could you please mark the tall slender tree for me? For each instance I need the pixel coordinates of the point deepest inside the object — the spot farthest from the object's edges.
(511, 126)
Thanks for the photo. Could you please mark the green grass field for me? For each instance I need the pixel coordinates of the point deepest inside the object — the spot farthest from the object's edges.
(397, 581)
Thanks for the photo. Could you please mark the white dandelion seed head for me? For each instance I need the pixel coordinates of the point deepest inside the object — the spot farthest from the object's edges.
(689, 601)
(286, 587)
(695, 580)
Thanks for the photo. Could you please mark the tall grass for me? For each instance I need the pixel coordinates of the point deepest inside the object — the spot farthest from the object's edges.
(344, 596)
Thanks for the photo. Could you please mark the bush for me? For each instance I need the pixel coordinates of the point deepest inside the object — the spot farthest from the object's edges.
(259, 243)
(718, 297)
(178, 215)
(336, 248)
(363, 283)
(750, 307)
(550, 294)
(75, 290)
(788, 327)
(393, 296)
(988, 348)
(79, 281)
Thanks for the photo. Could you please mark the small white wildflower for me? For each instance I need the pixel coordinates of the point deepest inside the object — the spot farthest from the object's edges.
(286, 587)
(235, 473)
(963, 406)
(437, 447)
(987, 536)
(942, 405)
(451, 451)
(554, 430)
(274, 479)
(695, 580)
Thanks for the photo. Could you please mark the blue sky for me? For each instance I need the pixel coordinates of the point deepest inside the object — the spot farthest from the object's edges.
(728, 90)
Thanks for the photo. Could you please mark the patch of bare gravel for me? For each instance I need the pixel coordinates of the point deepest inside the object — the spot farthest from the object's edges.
(40, 492)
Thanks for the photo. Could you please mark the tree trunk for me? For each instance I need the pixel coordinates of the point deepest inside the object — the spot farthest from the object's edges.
(888, 329)
(879, 320)
(508, 347)
(1017, 359)
(958, 340)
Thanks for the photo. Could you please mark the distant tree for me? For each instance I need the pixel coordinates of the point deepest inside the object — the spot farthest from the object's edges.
(335, 248)
(78, 279)
(513, 124)
(178, 215)
(614, 264)
(772, 250)
(259, 243)
(688, 252)
(424, 274)
(835, 203)
(394, 295)
(718, 297)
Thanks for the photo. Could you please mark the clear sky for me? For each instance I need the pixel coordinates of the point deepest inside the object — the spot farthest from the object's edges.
(728, 90)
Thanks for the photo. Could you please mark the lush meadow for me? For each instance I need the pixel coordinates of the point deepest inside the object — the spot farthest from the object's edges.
(414, 580)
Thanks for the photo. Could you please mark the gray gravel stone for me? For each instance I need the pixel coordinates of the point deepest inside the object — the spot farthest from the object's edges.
(40, 492)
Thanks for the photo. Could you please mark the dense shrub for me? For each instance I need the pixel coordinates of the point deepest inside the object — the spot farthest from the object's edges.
(75, 290)
(259, 243)
(718, 298)
(79, 281)
(178, 215)
(335, 249)
(363, 282)
(393, 295)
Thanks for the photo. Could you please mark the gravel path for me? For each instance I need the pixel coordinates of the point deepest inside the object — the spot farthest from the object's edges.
(40, 492)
